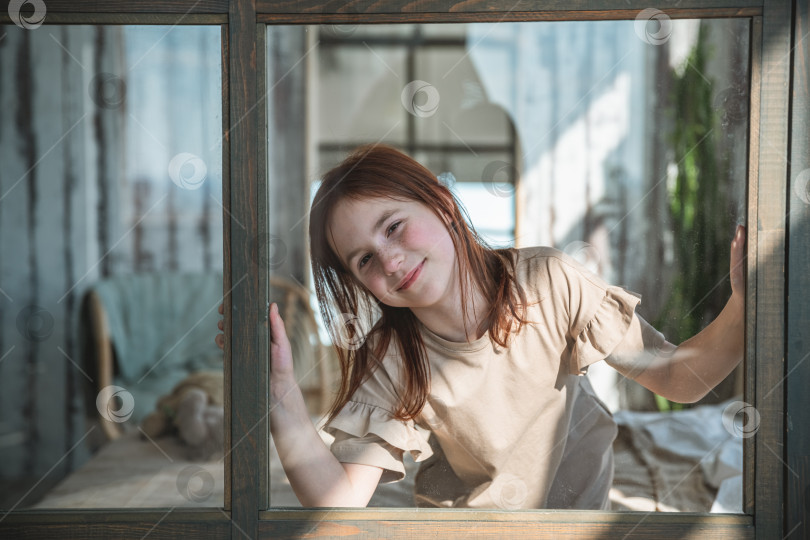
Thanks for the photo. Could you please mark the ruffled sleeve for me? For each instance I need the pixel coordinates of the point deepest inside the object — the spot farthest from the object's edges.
(592, 316)
(611, 320)
(370, 435)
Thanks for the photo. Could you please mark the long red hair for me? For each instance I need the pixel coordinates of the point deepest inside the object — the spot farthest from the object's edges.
(382, 171)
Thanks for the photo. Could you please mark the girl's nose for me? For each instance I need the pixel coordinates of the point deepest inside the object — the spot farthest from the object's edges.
(391, 262)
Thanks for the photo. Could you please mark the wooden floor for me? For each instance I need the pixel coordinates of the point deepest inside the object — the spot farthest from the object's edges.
(132, 472)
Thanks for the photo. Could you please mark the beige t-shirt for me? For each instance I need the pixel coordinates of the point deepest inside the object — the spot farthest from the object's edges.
(514, 427)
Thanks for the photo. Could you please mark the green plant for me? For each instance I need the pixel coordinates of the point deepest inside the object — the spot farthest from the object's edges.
(698, 201)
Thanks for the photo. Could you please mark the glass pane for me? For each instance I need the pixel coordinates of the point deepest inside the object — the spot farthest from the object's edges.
(622, 144)
(470, 118)
(111, 233)
(360, 111)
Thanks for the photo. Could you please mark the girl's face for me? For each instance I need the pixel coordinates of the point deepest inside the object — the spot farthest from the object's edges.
(399, 250)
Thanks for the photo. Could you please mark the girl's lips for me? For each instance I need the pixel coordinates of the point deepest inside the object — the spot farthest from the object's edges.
(411, 278)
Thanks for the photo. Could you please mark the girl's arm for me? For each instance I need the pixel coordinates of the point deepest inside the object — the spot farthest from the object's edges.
(316, 476)
(689, 371)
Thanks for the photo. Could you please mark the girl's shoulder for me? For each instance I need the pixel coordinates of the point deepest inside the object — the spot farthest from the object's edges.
(538, 259)
(543, 268)
(537, 254)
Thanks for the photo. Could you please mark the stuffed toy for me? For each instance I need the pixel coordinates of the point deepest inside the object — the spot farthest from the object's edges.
(194, 411)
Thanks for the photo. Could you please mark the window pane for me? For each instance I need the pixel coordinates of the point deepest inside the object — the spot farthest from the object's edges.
(619, 143)
(352, 89)
(111, 234)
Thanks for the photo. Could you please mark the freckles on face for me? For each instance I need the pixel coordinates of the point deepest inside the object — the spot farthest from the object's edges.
(385, 243)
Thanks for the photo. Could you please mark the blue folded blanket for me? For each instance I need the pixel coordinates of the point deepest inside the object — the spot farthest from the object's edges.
(162, 327)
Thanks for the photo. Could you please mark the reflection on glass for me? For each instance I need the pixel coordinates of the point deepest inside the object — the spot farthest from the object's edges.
(621, 144)
(111, 234)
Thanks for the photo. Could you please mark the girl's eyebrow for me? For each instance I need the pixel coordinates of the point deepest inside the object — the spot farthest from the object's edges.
(380, 220)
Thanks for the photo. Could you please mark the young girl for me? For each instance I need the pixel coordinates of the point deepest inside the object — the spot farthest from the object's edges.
(485, 348)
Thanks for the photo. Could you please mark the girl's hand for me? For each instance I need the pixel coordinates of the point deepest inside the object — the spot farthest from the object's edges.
(220, 338)
(281, 362)
(737, 265)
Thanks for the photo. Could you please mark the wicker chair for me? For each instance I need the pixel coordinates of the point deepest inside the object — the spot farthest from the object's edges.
(314, 362)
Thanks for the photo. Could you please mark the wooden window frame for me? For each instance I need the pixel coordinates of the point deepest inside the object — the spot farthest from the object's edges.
(776, 331)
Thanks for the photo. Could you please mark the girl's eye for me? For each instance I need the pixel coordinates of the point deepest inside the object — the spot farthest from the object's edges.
(362, 262)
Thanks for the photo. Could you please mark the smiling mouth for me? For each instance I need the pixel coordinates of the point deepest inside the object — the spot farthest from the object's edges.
(411, 277)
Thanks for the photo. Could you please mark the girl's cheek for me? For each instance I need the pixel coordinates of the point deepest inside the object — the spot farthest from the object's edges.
(410, 235)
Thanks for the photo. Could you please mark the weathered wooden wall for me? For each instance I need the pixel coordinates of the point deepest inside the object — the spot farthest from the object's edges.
(90, 119)
(55, 216)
